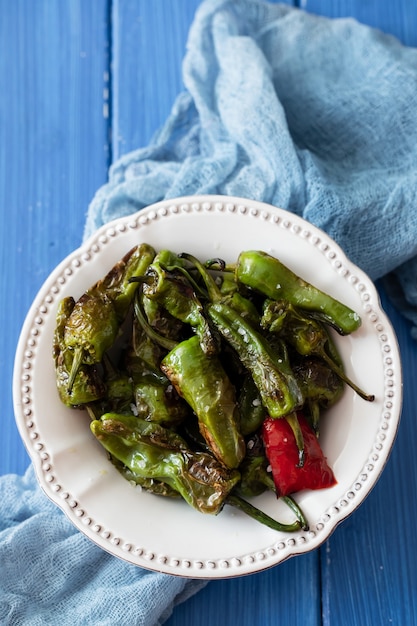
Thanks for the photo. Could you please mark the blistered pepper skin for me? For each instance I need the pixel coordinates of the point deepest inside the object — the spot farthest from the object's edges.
(272, 375)
(87, 386)
(152, 452)
(174, 293)
(205, 386)
(308, 336)
(267, 275)
(92, 327)
(95, 320)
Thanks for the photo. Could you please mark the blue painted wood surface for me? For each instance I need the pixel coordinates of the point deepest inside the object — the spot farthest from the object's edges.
(81, 83)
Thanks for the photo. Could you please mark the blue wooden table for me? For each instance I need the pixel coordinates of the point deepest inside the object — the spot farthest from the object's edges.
(81, 83)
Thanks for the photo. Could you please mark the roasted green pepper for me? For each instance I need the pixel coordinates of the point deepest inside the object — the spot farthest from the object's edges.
(271, 371)
(270, 368)
(87, 385)
(155, 397)
(320, 386)
(95, 320)
(251, 410)
(152, 485)
(267, 275)
(174, 292)
(308, 336)
(118, 283)
(203, 383)
(153, 452)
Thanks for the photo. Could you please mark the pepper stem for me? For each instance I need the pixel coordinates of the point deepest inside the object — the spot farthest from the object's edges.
(339, 372)
(266, 479)
(75, 366)
(263, 518)
(166, 343)
(177, 268)
(211, 286)
(222, 265)
(289, 501)
(299, 439)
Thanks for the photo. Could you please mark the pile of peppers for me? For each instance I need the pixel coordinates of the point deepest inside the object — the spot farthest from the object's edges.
(206, 380)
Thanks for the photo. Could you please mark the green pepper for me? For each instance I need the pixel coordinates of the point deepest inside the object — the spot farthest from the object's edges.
(119, 395)
(155, 397)
(161, 320)
(153, 452)
(95, 320)
(270, 368)
(175, 293)
(320, 386)
(152, 485)
(90, 330)
(203, 383)
(118, 283)
(87, 385)
(308, 337)
(267, 275)
(251, 410)
(271, 372)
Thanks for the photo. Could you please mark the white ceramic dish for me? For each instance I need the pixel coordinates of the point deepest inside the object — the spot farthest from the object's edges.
(168, 536)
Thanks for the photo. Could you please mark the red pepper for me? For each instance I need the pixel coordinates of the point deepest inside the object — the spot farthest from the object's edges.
(283, 456)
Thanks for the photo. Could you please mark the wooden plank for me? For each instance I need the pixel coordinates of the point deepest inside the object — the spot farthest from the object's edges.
(53, 156)
(399, 17)
(149, 41)
(286, 595)
(148, 46)
(369, 567)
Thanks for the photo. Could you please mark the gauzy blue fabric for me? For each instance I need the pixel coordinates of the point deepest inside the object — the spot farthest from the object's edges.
(52, 574)
(313, 115)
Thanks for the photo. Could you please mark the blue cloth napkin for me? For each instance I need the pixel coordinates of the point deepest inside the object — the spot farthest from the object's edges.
(52, 574)
(313, 115)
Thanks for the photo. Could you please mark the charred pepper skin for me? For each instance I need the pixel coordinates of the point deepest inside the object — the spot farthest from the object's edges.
(308, 336)
(320, 386)
(203, 383)
(87, 386)
(153, 452)
(118, 283)
(92, 327)
(272, 374)
(267, 275)
(176, 294)
(95, 320)
(154, 396)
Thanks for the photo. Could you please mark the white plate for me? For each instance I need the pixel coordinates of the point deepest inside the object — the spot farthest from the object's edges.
(169, 536)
